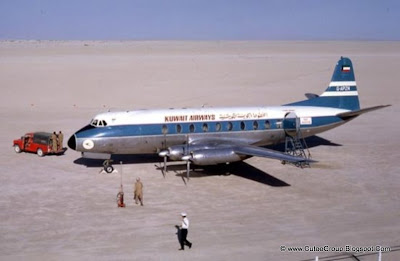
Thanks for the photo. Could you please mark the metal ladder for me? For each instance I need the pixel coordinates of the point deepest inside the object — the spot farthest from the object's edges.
(297, 146)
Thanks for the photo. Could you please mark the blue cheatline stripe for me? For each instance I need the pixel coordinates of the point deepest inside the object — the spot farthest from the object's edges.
(156, 129)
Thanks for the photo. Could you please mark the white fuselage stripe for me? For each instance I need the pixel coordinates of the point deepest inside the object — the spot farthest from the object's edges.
(338, 93)
(218, 114)
(336, 84)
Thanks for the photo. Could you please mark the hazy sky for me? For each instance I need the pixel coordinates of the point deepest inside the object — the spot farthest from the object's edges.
(200, 20)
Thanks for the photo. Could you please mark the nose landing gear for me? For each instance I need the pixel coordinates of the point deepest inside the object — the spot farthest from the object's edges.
(107, 165)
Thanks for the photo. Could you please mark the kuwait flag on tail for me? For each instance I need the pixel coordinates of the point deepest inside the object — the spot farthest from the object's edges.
(345, 68)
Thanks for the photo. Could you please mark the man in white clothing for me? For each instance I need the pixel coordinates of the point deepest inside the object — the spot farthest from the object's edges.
(184, 232)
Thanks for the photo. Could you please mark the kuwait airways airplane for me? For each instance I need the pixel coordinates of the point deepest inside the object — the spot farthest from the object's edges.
(209, 136)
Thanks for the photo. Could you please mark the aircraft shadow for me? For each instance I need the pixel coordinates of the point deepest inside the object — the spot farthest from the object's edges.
(117, 158)
(313, 141)
(240, 169)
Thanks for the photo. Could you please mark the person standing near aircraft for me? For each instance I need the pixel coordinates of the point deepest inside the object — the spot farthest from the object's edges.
(120, 198)
(184, 232)
(138, 192)
(60, 140)
(54, 141)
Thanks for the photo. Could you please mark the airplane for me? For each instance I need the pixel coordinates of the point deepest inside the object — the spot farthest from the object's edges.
(211, 136)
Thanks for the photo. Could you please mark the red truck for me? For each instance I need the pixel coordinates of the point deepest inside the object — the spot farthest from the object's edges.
(36, 142)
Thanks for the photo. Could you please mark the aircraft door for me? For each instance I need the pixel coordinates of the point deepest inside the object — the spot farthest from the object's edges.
(291, 124)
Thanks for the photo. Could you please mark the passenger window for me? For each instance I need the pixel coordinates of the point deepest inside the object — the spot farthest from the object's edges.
(205, 127)
(267, 125)
(279, 124)
(242, 125)
(164, 129)
(191, 128)
(255, 125)
(230, 126)
(178, 128)
(218, 126)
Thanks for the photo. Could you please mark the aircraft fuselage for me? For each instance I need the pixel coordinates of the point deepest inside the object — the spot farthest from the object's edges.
(143, 131)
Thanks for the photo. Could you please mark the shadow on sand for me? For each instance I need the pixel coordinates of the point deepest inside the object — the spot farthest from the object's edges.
(240, 169)
(313, 141)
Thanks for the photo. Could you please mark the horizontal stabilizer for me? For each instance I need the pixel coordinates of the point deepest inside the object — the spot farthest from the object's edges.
(353, 114)
(311, 95)
(267, 153)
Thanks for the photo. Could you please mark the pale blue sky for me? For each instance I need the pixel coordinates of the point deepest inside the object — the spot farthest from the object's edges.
(200, 20)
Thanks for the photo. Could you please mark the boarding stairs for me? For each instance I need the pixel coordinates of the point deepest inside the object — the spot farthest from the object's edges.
(295, 144)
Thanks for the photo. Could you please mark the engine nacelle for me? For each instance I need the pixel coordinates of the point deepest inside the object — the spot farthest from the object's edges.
(178, 151)
(214, 156)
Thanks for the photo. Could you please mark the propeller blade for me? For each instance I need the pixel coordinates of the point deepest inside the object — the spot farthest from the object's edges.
(188, 169)
(165, 164)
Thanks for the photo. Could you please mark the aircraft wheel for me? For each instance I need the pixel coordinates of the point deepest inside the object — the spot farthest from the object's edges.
(40, 153)
(109, 168)
(17, 149)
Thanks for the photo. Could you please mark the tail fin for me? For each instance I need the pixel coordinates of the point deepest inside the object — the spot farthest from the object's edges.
(342, 90)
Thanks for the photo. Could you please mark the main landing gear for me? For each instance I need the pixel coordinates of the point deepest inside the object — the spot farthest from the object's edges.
(107, 165)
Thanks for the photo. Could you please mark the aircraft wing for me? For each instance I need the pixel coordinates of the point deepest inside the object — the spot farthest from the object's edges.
(251, 150)
(212, 152)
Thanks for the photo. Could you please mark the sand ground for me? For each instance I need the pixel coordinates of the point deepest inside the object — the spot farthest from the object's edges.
(57, 208)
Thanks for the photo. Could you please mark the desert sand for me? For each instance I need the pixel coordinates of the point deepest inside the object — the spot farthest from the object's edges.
(62, 208)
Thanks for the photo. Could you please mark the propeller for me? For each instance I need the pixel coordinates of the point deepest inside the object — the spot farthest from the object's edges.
(187, 158)
(164, 153)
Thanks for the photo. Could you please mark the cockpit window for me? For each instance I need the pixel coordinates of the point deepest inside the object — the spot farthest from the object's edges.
(98, 123)
(94, 123)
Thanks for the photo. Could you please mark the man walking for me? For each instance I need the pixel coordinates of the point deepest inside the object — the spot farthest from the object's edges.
(184, 232)
(138, 192)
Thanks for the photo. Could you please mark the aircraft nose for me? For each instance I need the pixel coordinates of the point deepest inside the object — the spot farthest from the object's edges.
(72, 142)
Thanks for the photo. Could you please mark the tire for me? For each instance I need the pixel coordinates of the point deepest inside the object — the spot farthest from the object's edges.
(109, 169)
(40, 152)
(17, 149)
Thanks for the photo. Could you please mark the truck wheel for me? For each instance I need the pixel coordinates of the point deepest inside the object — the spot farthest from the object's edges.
(17, 149)
(40, 153)
(109, 168)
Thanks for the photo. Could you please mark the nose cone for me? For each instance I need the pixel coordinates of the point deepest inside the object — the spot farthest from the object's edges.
(72, 142)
